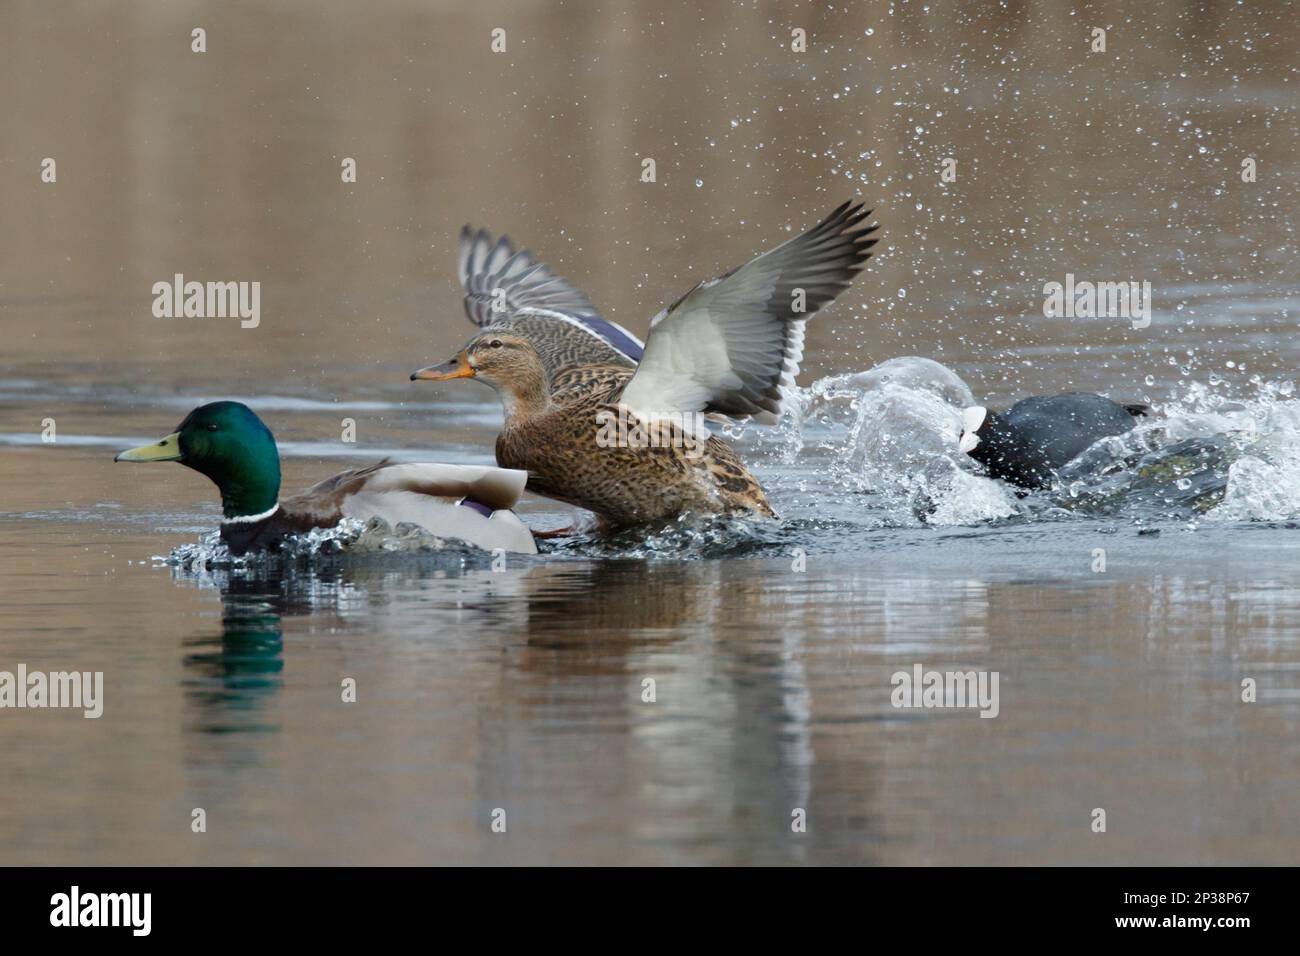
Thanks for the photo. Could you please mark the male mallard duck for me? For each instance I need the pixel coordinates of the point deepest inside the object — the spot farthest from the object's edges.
(621, 434)
(1027, 444)
(229, 444)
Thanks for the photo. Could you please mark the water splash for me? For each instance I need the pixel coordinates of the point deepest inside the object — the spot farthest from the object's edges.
(887, 437)
(349, 540)
(1264, 480)
(890, 433)
(878, 450)
(1210, 455)
(687, 537)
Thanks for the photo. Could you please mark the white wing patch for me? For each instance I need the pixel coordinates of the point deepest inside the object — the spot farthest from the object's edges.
(494, 487)
(430, 494)
(444, 517)
(733, 345)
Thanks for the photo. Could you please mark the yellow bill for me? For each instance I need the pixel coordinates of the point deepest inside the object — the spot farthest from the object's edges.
(164, 449)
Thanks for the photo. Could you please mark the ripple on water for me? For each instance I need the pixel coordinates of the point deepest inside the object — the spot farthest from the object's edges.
(877, 450)
(349, 541)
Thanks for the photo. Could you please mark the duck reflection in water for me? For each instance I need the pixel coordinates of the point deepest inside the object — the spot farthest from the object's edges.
(233, 673)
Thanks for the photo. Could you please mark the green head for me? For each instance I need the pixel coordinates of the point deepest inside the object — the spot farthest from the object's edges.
(229, 444)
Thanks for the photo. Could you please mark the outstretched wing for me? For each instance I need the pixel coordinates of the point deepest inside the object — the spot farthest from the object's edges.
(509, 288)
(733, 345)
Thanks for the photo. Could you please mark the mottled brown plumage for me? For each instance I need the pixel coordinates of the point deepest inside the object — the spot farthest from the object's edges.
(562, 346)
(553, 430)
(729, 347)
(510, 291)
(557, 443)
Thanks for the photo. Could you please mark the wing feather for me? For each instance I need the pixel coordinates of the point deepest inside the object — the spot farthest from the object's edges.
(495, 487)
(733, 345)
(510, 288)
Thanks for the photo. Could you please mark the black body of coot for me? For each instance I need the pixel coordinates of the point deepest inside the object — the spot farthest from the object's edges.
(1026, 444)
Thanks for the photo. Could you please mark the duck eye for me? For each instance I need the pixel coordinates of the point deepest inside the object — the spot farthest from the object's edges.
(495, 344)
(211, 427)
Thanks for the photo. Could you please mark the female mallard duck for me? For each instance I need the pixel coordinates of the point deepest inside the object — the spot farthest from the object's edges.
(229, 444)
(603, 424)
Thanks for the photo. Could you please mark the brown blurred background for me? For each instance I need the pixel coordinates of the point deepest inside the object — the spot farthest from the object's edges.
(226, 166)
(523, 689)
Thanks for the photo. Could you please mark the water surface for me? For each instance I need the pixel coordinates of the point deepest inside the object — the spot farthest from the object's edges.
(523, 689)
